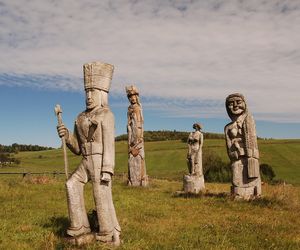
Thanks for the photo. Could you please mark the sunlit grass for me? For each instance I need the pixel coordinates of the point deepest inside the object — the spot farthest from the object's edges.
(34, 216)
(33, 212)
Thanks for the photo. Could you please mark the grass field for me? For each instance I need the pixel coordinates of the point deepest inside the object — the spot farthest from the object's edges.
(166, 159)
(34, 216)
(33, 212)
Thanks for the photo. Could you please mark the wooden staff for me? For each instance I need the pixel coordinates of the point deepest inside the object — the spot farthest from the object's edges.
(58, 112)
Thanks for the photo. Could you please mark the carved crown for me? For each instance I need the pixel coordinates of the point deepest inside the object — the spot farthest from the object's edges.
(131, 90)
(197, 125)
(97, 75)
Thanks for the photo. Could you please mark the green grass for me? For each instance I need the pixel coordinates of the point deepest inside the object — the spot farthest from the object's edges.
(34, 216)
(33, 212)
(166, 159)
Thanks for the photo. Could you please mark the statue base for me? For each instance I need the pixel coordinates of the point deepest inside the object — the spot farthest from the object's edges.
(246, 193)
(85, 239)
(193, 184)
(144, 182)
(81, 240)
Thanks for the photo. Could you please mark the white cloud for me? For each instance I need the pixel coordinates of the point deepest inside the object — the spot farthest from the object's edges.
(188, 50)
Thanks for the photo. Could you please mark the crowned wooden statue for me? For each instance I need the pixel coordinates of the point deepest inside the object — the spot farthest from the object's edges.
(135, 128)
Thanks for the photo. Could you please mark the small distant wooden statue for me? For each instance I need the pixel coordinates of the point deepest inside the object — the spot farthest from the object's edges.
(194, 181)
(242, 149)
(135, 128)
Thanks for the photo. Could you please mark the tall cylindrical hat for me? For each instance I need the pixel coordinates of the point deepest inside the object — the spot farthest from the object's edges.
(97, 75)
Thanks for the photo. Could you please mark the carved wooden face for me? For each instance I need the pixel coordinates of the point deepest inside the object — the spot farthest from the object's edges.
(132, 99)
(236, 105)
(196, 126)
(92, 98)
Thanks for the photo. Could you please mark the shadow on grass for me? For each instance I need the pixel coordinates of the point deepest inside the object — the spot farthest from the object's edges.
(181, 194)
(58, 225)
(258, 201)
(267, 202)
(218, 195)
(261, 201)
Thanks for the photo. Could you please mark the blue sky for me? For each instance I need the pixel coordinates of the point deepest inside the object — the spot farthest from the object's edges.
(184, 56)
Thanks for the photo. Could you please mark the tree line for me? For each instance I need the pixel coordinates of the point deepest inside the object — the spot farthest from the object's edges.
(15, 148)
(166, 135)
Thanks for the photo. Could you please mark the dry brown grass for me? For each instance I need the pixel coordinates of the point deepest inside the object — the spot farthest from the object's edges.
(39, 179)
(285, 195)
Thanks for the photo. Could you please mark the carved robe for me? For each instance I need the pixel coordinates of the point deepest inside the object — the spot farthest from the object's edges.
(242, 149)
(136, 154)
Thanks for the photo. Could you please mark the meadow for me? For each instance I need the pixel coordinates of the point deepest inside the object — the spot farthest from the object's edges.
(33, 212)
(167, 159)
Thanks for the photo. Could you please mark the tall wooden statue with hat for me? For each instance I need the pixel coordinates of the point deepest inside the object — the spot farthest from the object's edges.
(93, 138)
(135, 128)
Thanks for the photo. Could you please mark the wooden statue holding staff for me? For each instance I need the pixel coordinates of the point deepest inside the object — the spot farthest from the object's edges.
(94, 139)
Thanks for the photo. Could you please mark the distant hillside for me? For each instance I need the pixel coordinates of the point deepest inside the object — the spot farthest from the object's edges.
(15, 148)
(167, 159)
(167, 135)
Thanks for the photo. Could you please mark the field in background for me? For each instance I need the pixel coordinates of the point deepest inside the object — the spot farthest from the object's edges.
(166, 159)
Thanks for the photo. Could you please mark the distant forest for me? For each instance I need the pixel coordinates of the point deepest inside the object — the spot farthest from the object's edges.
(165, 135)
(160, 135)
(15, 148)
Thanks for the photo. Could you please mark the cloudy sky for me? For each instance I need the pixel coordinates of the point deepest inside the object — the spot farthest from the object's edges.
(184, 56)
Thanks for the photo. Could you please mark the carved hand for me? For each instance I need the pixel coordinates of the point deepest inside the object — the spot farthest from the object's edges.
(106, 177)
(135, 151)
(62, 131)
(234, 155)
